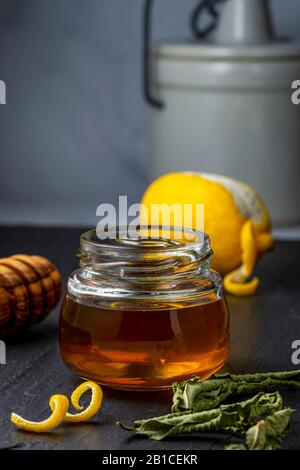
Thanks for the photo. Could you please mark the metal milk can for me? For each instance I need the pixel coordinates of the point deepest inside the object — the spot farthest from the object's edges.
(222, 102)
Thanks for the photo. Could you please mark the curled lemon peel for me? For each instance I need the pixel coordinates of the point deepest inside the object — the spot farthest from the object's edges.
(59, 405)
(240, 289)
(264, 242)
(249, 248)
(92, 409)
(239, 281)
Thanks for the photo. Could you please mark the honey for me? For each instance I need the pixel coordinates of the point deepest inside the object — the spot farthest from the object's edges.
(142, 312)
(144, 348)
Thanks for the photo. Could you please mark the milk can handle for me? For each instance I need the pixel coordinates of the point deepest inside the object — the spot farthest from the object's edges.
(151, 100)
(204, 6)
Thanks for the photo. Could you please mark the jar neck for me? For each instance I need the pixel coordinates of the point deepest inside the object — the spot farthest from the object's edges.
(144, 257)
(145, 267)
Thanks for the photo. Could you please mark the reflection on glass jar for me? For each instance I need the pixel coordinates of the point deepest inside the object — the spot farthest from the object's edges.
(142, 313)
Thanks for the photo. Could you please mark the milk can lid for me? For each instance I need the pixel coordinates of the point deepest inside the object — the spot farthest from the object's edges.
(283, 50)
(244, 32)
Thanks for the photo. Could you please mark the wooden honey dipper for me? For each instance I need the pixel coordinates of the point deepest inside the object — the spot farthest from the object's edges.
(30, 287)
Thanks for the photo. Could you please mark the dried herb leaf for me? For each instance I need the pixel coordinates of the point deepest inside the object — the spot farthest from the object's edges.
(236, 447)
(267, 434)
(200, 395)
(199, 406)
(234, 418)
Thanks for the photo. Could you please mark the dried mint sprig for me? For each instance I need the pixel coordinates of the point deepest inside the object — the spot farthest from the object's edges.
(233, 418)
(200, 395)
(267, 434)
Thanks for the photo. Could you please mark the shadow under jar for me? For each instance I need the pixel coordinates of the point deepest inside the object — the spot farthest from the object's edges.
(144, 311)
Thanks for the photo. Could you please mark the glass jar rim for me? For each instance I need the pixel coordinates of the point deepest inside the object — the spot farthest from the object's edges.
(126, 238)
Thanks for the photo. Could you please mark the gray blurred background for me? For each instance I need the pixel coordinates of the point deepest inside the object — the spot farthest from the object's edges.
(73, 133)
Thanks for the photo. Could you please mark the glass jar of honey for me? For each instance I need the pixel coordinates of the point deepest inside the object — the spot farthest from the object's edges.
(144, 311)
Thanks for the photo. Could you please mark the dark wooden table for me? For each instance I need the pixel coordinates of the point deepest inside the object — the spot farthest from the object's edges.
(263, 328)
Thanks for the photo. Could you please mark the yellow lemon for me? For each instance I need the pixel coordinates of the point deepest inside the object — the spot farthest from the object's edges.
(235, 218)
